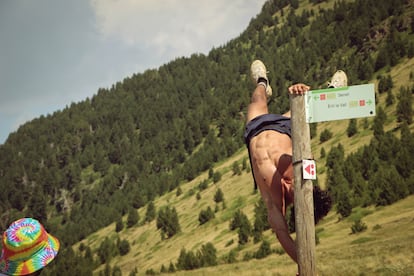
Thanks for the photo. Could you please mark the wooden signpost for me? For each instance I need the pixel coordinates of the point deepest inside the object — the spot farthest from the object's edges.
(316, 106)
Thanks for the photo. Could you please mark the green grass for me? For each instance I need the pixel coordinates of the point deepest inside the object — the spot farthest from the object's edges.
(362, 240)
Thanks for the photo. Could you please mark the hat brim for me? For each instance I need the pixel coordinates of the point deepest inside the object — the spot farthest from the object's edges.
(37, 261)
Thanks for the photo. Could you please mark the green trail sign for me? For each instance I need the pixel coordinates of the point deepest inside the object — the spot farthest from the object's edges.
(340, 103)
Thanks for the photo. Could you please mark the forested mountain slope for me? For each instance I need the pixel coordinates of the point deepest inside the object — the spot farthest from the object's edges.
(87, 166)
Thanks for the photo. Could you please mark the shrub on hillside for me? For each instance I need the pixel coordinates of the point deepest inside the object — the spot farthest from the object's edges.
(358, 227)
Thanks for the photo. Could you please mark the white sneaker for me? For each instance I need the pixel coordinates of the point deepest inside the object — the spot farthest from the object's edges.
(339, 79)
(258, 70)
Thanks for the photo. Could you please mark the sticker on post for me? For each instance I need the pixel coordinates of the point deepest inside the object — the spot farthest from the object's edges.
(309, 169)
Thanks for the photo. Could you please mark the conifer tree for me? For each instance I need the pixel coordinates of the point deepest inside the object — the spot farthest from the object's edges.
(235, 222)
(151, 212)
(335, 179)
(123, 247)
(379, 121)
(405, 164)
(245, 230)
(260, 220)
(171, 268)
(208, 255)
(336, 155)
(205, 215)
(133, 217)
(326, 134)
(385, 84)
(219, 196)
(106, 251)
(264, 250)
(216, 177)
(404, 107)
(352, 128)
(344, 207)
(167, 221)
(119, 225)
(236, 168)
(390, 98)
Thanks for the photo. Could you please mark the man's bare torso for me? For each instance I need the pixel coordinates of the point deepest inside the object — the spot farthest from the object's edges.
(272, 166)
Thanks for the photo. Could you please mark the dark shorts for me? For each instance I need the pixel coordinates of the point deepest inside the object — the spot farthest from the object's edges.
(264, 122)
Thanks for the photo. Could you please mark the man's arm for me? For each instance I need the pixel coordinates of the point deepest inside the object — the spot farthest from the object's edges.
(279, 226)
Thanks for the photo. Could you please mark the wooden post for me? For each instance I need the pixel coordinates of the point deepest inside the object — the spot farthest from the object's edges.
(304, 216)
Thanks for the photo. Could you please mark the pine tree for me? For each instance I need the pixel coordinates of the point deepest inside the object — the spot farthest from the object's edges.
(323, 152)
(187, 260)
(236, 168)
(385, 84)
(216, 177)
(171, 268)
(379, 120)
(107, 270)
(123, 247)
(326, 134)
(336, 179)
(205, 215)
(167, 221)
(352, 128)
(344, 207)
(208, 255)
(404, 106)
(404, 165)
(151, 212)
(106, 251)
(264, 250)
(219, 196)
(119, 225)
(133, 217)
(236, 220)
(245, 230)
(387, 186)
(336, 155)
(390, 98)
(260, 221)
(383, 59)
(179, 191)
(210, 173)
(163, 269)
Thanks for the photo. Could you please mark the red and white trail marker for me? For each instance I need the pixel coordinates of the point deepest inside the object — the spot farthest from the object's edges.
(309, 169)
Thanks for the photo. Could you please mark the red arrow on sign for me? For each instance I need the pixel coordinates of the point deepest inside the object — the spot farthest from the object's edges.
(309, 168)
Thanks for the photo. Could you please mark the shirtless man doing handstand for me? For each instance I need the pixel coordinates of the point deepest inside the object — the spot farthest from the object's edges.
(268, 139)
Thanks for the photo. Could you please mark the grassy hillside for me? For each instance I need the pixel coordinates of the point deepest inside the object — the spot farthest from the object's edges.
(385, 248)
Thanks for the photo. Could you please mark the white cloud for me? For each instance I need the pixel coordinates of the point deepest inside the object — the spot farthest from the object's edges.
(173, 26)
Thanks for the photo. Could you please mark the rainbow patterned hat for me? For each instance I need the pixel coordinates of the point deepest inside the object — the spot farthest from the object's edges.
(27, 247)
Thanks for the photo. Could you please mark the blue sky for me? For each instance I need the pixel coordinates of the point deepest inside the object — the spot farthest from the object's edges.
(56, 52)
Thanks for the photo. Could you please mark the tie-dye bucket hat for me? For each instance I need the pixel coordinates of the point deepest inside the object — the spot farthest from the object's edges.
(27, 247)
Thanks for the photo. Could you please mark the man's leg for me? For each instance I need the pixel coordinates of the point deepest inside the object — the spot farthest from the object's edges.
(258, 102)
